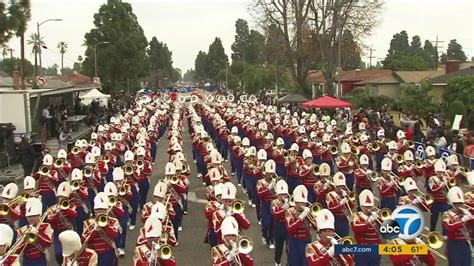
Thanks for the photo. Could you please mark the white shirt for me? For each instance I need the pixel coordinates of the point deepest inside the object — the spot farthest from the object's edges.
(45, 113)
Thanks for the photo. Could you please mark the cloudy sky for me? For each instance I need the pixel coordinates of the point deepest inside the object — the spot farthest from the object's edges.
(188, 26)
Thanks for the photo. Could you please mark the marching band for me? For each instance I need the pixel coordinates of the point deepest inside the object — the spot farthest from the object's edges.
(311, 184)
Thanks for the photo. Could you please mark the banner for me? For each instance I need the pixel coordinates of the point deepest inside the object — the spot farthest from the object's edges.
(444, 153)
(419, 151)
(471, 163)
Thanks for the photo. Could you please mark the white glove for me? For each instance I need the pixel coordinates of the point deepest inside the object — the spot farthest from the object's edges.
(372, 218)
(156, 246)
(304, 213)
(96, 227)
(351, 163)
(416, 201)
(33, 230)
(343, 201)
(229, 213)
(334, 241)
(271, 185)
(466, 218)
(331, 251)
(230, 256)
(327, 185)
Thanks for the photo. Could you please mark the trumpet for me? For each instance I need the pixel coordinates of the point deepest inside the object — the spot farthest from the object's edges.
(58, 163)
(128, 169)
(75, 150)
(174, 179)
(112, 201)
(237, 206)
(411, 144)
(333, 150)
(44, 170)
(87, 171)
(122, 189)
(420, 164)
(285, 154)
(92, 143)
(244, 245)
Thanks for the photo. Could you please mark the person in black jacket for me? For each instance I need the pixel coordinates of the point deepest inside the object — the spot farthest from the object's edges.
(27, 155)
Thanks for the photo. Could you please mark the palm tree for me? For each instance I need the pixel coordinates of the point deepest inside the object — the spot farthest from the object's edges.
(62, 46)
(21, 13)
(37, 43)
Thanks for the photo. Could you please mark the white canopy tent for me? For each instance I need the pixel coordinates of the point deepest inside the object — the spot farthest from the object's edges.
(95, 94)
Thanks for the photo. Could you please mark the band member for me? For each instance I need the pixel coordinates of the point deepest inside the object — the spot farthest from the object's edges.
(277, 155)
(297, 218)
(249, 178)
(409, 168)
(346, 164)
(428, 166)
(321, 252)
(387, 186)
(266, 193)
(159, 195)
(439, 187)
(12, 202)
(175, 188)
(159, 211)
(47, 181)
(211, 207)
(62, 216)
(229, 209)
(427, 259)
(99, 235)
(456, 221)
(34, 253)
(118, 211)
(149, 252)
(292, 164)
(132, 176)
(362, 180)
(279, 207)
(326, 156)
(62, 166)
(79, 196)
(323, 185)
(380, 154)
(124, 196)
(229, 252)
(366, 228)
(453, 170)
(307, 175)
(145, 173)
(215, 178)
(76, 156)
(340, 204)
(6, 238)
(423, 203)
(74, 252)
(29, 186)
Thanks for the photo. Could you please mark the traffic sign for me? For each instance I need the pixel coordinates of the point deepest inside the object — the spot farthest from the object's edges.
(41, 80)
(96, 80)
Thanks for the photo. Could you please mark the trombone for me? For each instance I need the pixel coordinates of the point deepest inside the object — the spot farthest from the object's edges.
(140, 163)
(237, 206)
(333, 150)
(58, 163)
(5, 207)
(347, 240)
(399, 159)
(411, 144)
(427, 198)
(44, 170)
(435, 241)
(384, 213)
(375, 146)
(244, 245)
(75, 150)
(315, 170)
(355, 150)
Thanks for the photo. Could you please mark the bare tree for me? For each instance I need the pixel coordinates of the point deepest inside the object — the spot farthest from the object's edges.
(311, 28)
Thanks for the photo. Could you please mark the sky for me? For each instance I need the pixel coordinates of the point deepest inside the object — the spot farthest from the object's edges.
(188, 26)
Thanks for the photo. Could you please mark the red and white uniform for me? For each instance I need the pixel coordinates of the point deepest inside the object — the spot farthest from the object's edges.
(317, 255)
(219, 257)
(168, 229)
(144, 252)
(296, 227)
(87, 258)
(38, 249)
(364, 232)
(411, 260)
(47, 183)
(101, 240)
(219, 216)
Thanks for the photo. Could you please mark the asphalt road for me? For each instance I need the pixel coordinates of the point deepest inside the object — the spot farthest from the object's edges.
(191, 249)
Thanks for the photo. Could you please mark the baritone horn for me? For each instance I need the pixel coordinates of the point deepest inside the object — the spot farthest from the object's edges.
(237, 206)
(245, 245)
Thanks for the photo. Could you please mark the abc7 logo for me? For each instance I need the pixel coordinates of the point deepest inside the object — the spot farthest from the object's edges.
(407, 223)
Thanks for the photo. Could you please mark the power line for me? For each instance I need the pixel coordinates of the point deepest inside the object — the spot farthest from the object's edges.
(370, 56)
(437, 51)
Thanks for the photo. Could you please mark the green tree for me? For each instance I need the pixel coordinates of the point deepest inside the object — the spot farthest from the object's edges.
(20, 14)
(455, 52)
(6, 66)
(254, 53)
(201, 66)
(67, 71)
(124, 57)
(160, 62)
(175, 75)
(430, 54)
(242, 40)
(350, 52)
(460, 89)
(62, 46)
(52, 70)
(77, 67)
(415, 46)
(14, 16)
(190, 75)
(404, 56)
(414, 98)
(216, 58)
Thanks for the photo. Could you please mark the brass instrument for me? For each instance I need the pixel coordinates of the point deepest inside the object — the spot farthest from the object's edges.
(347, 240)
(92, 143)
(399, 159)
(315, 170)
(420, 164)
(106, 158)
(333, 150)
(375, 146)
(58, 163)
(384, 213)
(435, 241)
(411, 144)
(206, 139)
(244, 245)
(313, 210)
(75, 150)
(87, 171)
(140, 163)
(355, 150)
(174, 179)
(64, 204)
(285, 154)
(237, 206)
(122, 189)
(373, 176)
(128, 169)
(400, 181)
(355, 139)
(165, 252)
(44, 170)
(426, 198)
(76, 184)
(5, 207)
(112, 201)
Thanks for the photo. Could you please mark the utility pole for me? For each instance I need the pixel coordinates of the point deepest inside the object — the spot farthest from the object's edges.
(370, 57)
(436, 58)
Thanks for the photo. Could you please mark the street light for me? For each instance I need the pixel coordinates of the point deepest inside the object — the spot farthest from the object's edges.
(95, 56)
(39, 37)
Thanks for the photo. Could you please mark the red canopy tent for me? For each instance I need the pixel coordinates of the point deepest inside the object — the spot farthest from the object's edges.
(326, 102)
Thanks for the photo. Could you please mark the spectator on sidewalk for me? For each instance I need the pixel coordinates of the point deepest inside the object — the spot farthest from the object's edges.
(46, 120)
(27, 155)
